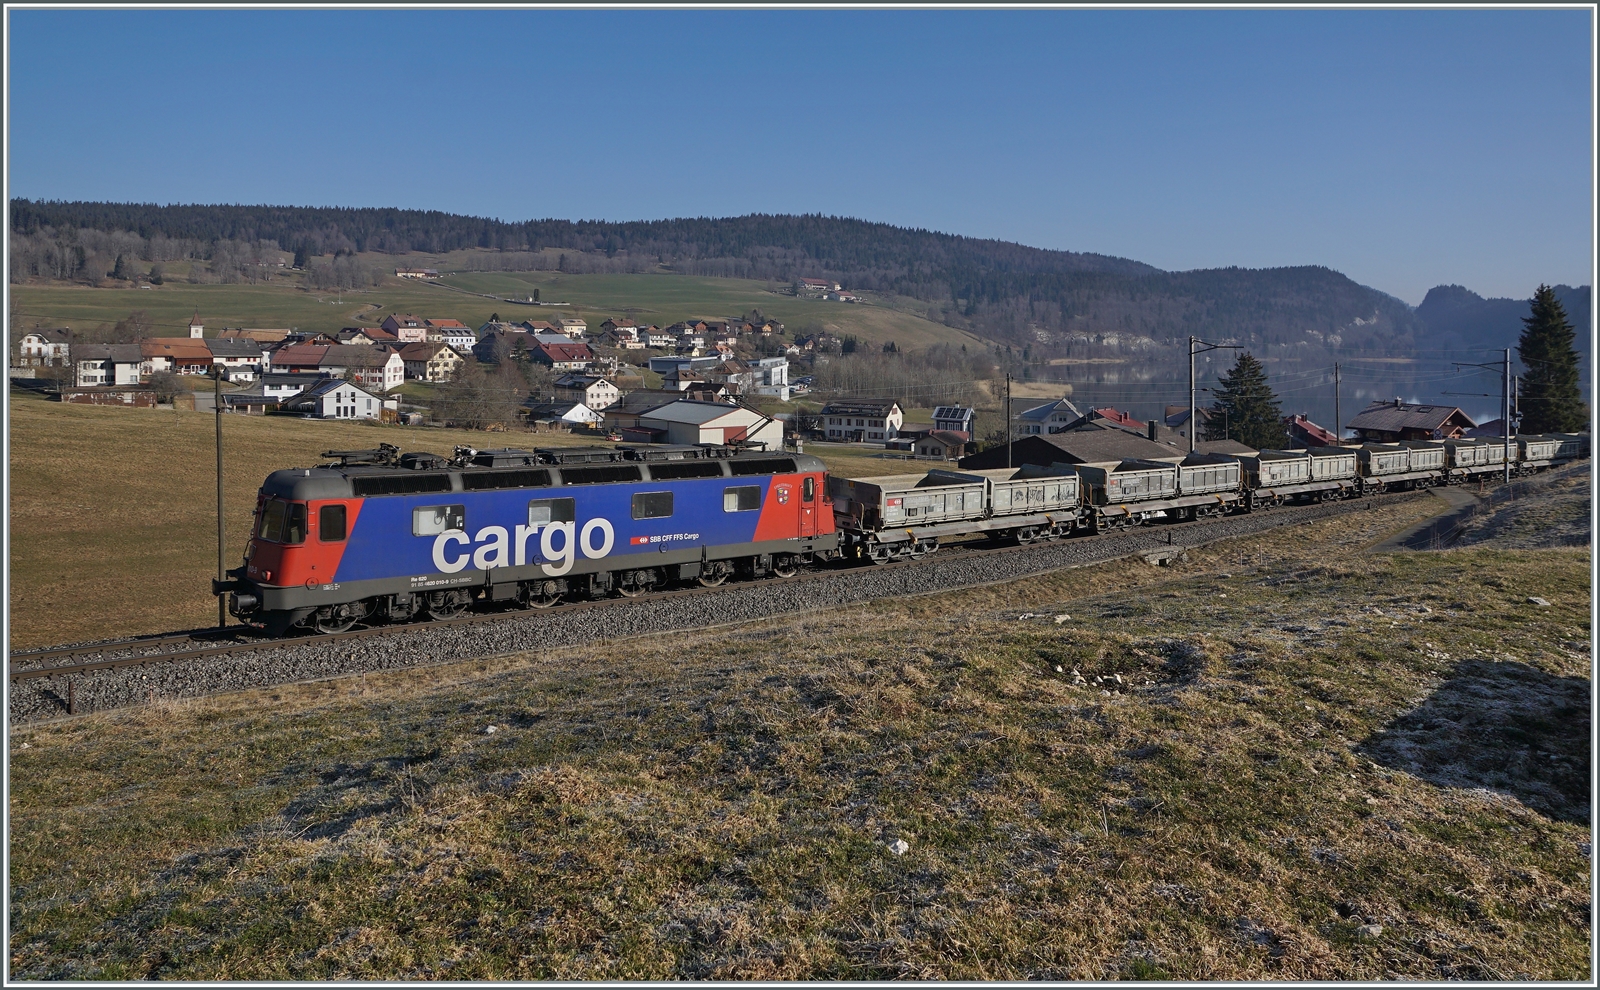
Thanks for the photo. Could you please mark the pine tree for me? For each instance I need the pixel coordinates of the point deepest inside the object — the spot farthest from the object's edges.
(1245, 409)
(1550, 399)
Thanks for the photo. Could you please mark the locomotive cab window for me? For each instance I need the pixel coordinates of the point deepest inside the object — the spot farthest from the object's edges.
(431, 520)
(330, 524)
(809, 489)
(283, 522)
(549, 510)
(652, 505)
(745, 498)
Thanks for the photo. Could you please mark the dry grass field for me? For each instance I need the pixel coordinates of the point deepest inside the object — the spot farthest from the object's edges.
(113, 511)
(1283, 758)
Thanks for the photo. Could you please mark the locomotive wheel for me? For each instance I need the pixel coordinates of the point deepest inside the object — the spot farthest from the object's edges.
(446, 604)
(785, 565)
(715, 573)
(635, 583)
(338, 618)
(540, 594)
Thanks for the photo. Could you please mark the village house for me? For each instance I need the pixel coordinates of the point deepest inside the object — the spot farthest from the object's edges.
(768, 376)
(690, 422)
(260, 336)
(839, 295)
(621, 338)
(334, 398)
(504, 340)
(560, 414)
(408, 328)
(377, 368)
(109, 364)
(572, 326)
(279, 387)
(625, 412)
(682, 377)
(955, 419)
(541, 326)
(659, 337)
(1093, 446)
(563, 357)
(432, 361)
(176, 354)
(593, 391)
(373, 367)
(240, 359)
(815, 286)
(453, 334)
(815, 342)
(1304, 433)
(366, 335)
(612, 324)
(438, 329)
(941, 444)
(1390, 422)
(857, 420)
(1052, 417)
(297, 359)
(44, 348)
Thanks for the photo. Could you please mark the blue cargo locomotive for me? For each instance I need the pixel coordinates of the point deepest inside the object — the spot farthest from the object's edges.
(379, 536)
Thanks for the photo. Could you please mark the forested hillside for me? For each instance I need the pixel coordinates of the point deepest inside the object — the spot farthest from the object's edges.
(1458, 317)
(1050, 301)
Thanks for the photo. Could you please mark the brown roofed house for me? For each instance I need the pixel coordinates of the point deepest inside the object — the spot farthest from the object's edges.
(1388, 422)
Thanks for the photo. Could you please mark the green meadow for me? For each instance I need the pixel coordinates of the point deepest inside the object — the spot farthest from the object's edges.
(471, 297)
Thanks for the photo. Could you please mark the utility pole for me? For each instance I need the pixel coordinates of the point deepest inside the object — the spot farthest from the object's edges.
(1504, 367)
(1506, 391)
(1008, 419)
(1338, 430)
(1193, 426)
(222, 600)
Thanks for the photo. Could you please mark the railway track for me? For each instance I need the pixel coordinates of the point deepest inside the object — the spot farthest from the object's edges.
(203, 644)
(177, 647)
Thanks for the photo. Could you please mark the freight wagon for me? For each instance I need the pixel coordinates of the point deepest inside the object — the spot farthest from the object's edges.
(907, 515)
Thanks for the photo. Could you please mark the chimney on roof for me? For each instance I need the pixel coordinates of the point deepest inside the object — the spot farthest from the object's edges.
(1152, 428)
(1397, 403)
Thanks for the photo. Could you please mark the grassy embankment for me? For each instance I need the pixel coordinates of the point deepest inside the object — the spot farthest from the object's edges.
(1318, 763)
(284, 302)
(113, 520)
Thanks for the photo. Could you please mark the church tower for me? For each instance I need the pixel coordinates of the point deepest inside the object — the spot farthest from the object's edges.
(196, 331)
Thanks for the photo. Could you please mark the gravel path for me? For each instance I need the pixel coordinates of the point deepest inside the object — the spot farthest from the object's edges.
(44, 698)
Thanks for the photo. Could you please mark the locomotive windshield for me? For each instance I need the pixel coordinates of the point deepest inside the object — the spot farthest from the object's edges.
(283, 522)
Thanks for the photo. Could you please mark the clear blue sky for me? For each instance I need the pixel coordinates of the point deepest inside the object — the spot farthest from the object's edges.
(1403, 148)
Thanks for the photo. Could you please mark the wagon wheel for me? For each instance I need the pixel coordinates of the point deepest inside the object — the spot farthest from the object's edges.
(785, 565)
(340, 618)
(715, 573)
(445, 605)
